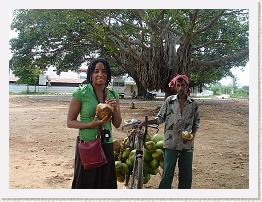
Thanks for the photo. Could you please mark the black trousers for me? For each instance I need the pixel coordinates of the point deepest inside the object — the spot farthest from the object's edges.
(98, 178)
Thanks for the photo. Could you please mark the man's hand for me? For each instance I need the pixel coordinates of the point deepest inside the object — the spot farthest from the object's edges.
(188, 136)
(191, 137)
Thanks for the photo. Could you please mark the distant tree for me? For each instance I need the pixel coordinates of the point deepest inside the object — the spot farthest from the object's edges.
(28, 75)
(227, 89)
(216, 88)
(235, 83)
(245, 90)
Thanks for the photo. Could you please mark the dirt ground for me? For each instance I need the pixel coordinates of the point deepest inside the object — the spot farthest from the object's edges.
(42, 148)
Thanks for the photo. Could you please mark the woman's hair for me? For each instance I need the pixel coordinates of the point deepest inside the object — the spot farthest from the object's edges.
(92, 67)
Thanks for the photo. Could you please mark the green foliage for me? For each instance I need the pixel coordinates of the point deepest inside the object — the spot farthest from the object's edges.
(216, 88)
(150, 45)
(242, 92)
(231, 90)
(27, 75)
(219, 89)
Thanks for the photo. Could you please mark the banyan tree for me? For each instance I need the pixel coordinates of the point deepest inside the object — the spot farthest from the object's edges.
(150, 45)
(154, 45)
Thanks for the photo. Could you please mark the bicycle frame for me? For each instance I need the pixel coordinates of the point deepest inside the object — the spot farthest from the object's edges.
(137, 174)
(139, 139)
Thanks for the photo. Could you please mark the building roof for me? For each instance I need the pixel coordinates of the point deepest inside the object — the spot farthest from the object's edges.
(54, 80)
(83, 69)
(66, 80)
(13, 78)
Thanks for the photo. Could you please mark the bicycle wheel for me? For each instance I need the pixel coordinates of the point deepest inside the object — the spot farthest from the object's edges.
(137, 175)
(127, 176)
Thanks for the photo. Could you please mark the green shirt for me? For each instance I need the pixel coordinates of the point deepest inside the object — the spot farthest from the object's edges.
(86, 96)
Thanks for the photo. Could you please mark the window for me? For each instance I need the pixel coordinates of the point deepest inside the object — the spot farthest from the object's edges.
(122, 84)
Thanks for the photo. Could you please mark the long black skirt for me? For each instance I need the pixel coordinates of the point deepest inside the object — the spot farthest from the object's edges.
(98, 178)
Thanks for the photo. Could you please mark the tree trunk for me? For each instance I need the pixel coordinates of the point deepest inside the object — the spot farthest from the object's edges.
(184, 56)
(27, 88)
(141, 90)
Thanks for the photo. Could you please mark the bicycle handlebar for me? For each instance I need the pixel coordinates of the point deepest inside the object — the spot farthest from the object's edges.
(134, 122)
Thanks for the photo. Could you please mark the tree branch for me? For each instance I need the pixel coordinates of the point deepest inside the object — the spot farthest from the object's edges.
(213, 21)
(132, 25)
(155, 23)
(128, 41)
(219, 62)
(160, 15)
(193, 20)
(167, 27)
(126, 48)
(209, 43)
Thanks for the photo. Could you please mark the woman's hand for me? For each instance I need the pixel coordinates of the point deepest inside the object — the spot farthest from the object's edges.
(97, 123)
(116, 119)
(114, 103)
(73, 112)
(104, 120)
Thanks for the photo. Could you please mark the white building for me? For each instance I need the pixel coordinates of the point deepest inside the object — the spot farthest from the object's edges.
(196, 92)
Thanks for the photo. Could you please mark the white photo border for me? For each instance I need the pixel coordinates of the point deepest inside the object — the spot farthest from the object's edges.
(251, 193)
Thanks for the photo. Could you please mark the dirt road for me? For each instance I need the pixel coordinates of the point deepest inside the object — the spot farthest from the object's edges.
(42, 147)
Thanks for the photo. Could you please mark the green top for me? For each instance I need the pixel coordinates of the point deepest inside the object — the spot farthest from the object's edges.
(86, 96)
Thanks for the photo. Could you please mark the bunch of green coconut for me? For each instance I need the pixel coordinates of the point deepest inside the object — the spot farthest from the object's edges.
(153, 157)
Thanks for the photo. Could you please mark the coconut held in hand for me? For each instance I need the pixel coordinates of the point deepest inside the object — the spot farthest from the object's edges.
(187, 135)
(103, 110)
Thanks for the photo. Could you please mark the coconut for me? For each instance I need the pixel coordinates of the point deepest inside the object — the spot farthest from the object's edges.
(160, 144)
(132, 156)
(146, 178)
(147, 155)
(151, 146)
(120, 177)
(125, 168)
(186, 135)
(157, 137)
(152, 171)
(125, 154)
(103, 110)
(119, 166)
(129, 163)
(145, 167)
(158, 154)
(154, 164)
(116, 146)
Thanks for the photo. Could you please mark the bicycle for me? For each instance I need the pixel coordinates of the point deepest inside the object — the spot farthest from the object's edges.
(136, 139)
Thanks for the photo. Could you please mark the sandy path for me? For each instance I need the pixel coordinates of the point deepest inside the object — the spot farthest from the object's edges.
(42, 147)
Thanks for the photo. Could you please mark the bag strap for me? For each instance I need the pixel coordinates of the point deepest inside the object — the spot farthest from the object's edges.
(99, 132)
(104, 99)
(112, 92)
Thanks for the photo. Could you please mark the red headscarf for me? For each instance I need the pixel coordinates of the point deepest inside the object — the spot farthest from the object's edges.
(172, 83)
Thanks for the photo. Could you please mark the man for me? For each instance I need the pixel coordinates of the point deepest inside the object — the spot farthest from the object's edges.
(180, 114)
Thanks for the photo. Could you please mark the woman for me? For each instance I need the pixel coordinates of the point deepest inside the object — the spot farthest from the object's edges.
(84, 101)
